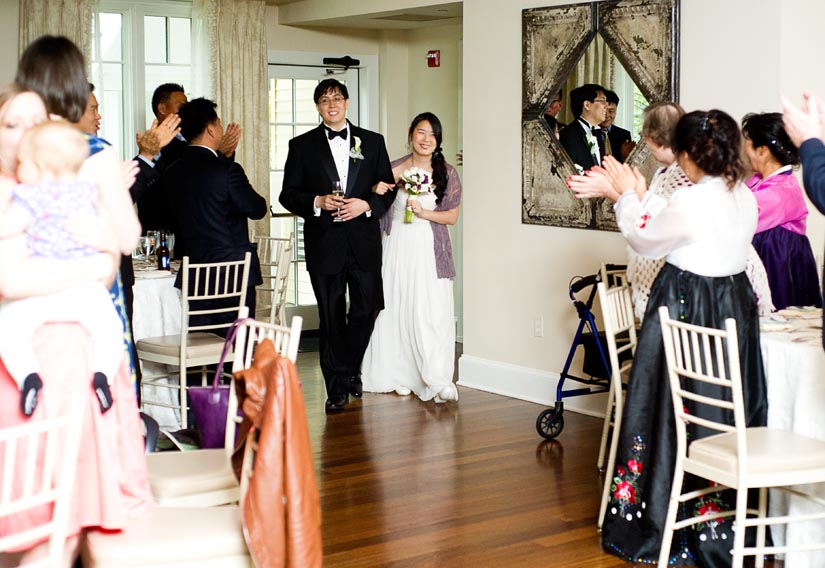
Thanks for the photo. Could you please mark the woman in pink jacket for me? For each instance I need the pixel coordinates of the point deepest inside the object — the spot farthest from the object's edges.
(780, 238)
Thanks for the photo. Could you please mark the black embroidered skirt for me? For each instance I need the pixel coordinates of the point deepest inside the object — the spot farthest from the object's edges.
(647, 443)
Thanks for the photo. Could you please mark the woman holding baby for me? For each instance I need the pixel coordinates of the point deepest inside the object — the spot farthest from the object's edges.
(111, 485)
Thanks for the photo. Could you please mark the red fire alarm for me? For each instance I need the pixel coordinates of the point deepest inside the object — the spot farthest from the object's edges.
(434, 58)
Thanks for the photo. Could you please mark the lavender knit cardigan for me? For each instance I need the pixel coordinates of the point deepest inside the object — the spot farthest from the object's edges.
(444, 264)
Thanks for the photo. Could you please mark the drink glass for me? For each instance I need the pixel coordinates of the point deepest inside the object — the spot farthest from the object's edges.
(146, 247)
(338, 191)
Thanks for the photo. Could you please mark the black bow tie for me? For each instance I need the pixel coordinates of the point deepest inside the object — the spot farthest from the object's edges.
(331, 134)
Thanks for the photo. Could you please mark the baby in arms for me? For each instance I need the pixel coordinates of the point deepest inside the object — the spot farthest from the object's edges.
(49, 159)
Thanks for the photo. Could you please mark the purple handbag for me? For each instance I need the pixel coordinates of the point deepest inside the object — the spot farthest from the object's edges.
(210, 404)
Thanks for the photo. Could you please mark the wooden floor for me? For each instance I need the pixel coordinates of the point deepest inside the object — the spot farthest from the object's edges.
(408, 483)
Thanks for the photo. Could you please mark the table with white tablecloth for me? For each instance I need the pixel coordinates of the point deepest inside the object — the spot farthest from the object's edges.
(795, 369)
(156, 312)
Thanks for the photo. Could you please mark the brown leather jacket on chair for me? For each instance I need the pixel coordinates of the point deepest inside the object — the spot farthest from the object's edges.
(279, 532)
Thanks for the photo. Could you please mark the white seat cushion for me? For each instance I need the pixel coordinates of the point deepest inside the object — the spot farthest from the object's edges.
(719, 451)
(176, 474)
(172, 536)
(199, 345)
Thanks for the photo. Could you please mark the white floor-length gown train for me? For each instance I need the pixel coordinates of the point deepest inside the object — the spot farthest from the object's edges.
(413, 343)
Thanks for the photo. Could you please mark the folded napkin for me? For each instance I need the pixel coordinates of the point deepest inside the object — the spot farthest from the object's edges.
(801, 312)
(145, 274)
(766, 324)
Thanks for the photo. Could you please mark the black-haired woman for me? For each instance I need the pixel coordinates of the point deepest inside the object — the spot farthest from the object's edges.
(704, 232)
(412, 348)
(780, 237)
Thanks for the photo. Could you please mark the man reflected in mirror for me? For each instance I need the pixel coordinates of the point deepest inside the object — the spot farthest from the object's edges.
(580, 138)
(551, 114)
(616, 141)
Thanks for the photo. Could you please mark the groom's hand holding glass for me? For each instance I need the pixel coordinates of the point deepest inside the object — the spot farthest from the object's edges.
(342, 208)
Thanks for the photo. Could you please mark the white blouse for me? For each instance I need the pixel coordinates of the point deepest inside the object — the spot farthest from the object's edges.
(705, 228)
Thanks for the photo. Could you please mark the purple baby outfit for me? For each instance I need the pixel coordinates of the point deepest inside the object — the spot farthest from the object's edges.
(51, 204)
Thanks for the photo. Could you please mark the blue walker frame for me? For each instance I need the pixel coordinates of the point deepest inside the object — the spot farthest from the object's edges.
(550, 422)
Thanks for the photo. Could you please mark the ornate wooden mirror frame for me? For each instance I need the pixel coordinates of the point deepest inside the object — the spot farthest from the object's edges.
(644, 36)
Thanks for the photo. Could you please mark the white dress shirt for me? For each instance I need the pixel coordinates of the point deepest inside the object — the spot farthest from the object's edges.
(340, 155)
(340, 148)
(705, 228)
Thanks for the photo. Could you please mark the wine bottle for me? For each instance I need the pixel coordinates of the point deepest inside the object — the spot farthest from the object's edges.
(162, 253)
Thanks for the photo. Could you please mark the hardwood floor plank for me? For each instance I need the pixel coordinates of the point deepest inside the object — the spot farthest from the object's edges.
(405, 483)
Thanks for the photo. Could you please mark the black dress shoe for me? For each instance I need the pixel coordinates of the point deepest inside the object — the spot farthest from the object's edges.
(336, 402)
(356, 388)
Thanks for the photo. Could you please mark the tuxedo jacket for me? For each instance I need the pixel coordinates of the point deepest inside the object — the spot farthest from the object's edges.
(618, 136)
(310, 171)
(212, 201)
(574, 141)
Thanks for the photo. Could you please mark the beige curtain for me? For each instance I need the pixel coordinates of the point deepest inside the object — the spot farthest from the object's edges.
(241, 87)
(597, 65)
(70, 18)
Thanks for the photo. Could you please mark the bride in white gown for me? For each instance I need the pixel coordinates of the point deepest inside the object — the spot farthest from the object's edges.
(412, 348)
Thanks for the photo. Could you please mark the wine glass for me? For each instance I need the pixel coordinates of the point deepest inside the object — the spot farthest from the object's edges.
(154, 237)
(170, 242)
(338, 191)
(146, 247)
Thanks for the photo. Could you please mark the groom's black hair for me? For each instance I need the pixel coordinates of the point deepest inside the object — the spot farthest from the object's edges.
(329, 86)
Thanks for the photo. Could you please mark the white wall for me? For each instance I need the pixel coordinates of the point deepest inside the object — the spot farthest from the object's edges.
(737, 55)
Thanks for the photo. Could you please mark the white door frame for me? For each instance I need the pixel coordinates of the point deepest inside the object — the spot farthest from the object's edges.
(368, 80)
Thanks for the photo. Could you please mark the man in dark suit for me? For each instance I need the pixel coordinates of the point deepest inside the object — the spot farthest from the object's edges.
(580, 138)
(805, 126)
(212, 198)
(153, 204)
(616, 140)
(552, 112)
(154, 207)
(341, 235)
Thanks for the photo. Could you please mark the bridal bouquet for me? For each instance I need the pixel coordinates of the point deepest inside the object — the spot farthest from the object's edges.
(415, 181)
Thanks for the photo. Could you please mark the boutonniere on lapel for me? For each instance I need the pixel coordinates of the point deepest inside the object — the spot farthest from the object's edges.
(592, 145)
(355, 152)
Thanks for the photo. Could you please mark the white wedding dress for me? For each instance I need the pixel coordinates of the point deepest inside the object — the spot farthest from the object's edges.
(413, 343)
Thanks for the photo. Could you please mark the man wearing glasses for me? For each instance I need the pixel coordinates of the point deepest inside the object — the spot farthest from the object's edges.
(342, 239)
(581, 138)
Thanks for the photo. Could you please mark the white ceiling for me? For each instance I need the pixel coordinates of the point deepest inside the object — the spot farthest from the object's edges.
(412, 18)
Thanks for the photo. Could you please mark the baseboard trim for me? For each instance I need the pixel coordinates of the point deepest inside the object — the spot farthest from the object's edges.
(524, 383)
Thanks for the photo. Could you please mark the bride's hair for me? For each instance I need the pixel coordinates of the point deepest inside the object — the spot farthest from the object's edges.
(437, 160)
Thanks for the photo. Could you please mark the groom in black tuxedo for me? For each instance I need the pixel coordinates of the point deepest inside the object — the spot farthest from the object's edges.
(581, 138)
(342, 241)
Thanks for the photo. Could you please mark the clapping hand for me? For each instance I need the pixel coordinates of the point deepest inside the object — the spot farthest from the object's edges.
(230, 139)
(624, 178)
(130, 172)
(805, 123)
(595, 183)
(158, 136)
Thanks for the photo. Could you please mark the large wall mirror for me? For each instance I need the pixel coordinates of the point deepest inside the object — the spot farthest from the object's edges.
(629, 47)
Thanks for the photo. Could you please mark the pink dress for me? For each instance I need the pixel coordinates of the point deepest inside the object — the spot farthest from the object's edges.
(111, 485)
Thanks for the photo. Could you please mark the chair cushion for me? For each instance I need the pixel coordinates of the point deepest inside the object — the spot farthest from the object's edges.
(765, 445)
(176, 474)
(200, 344)
(168, 535)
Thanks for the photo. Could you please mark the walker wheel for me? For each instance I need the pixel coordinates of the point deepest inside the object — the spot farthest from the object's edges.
(550, 423)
